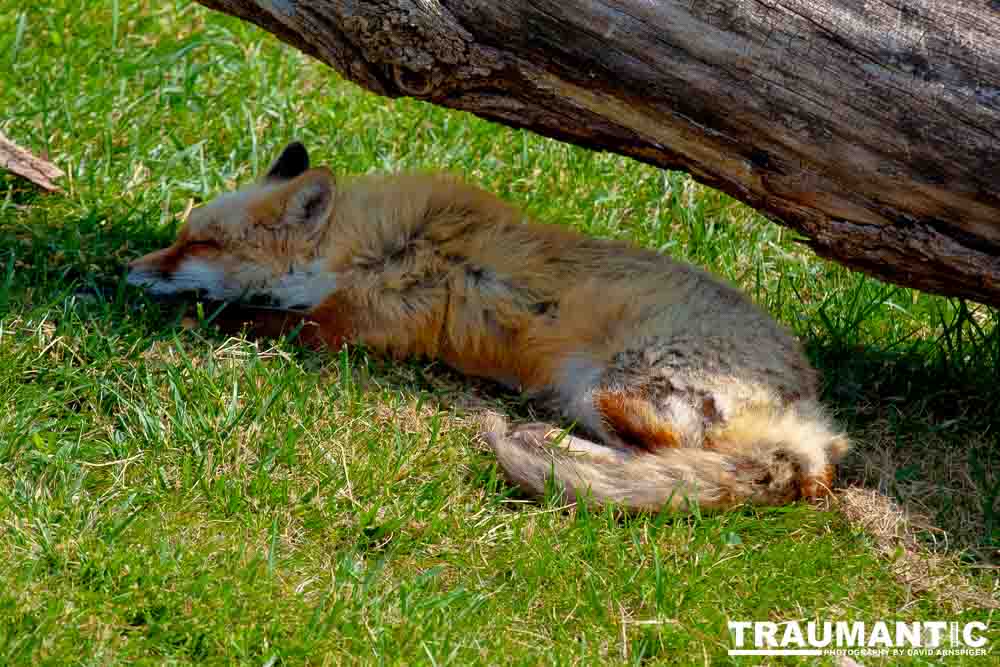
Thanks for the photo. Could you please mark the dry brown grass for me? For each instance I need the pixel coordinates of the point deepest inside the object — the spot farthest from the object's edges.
(930, 478)
(896, 537)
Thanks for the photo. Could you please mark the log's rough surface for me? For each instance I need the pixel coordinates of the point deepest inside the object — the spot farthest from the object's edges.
(872, 127)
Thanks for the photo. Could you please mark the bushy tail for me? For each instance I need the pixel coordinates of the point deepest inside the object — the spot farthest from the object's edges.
(763, 457)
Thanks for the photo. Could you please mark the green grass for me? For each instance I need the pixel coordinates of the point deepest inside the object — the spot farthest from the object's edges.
(170, 496)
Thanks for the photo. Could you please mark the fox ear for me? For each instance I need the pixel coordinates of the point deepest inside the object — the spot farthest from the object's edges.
(293, 162)
(311, 201)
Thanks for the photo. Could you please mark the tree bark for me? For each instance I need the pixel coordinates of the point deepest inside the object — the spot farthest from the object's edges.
(872, 127)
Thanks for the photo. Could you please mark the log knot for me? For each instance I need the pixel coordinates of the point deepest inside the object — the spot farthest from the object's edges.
(415, 84)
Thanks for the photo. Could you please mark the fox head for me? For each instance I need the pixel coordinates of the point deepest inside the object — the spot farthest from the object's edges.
(257, 243)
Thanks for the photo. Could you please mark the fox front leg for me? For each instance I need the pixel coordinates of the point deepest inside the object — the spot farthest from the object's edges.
(259, 322)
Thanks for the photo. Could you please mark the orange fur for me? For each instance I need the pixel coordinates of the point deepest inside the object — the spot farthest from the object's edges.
(634, 420)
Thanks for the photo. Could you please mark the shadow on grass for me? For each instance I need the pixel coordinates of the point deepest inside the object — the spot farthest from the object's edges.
(926, 431)
(924, 418)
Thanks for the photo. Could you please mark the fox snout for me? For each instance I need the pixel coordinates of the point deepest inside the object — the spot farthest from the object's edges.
(151, 263)
(148, 270)
(167, 272)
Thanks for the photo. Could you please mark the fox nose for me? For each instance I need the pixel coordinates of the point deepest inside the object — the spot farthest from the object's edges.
(140, 266)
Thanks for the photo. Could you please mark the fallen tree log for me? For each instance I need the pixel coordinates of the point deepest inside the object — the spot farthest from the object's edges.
(872, 127)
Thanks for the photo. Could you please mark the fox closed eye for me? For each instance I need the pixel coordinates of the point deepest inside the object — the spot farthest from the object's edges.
(206, 244)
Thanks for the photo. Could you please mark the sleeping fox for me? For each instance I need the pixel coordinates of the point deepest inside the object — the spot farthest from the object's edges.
(682, 391)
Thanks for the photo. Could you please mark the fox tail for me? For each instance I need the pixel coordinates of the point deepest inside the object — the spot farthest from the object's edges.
(764, 456)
